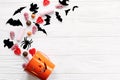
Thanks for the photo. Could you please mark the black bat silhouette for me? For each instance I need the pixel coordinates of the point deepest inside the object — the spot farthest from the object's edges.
(19, 10)
(74, 8)
(39, 28)
(8, 43)
(47, 20)
(58, 16)
(64, 2)
(14, 22)
(33, 8)
(66, 11)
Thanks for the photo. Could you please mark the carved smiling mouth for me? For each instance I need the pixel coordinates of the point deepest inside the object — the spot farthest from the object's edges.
(44, 66)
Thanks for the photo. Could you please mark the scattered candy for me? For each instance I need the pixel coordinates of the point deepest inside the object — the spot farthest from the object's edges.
(32, 51)
(33, 16)
(47, 13)
(28, 23)
(25, 53)
(24, 65)
(12, 35)
(14, 46)
(29, 33)
(59, 6)
(40, 20)
(26, 15)
(46, 2)
(21, 34)
(34, 29)
(17, 51)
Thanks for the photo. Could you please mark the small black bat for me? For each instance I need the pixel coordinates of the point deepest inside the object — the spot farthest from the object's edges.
(66, 11)
(8, 43)
(14, 22)
(19, 10)
(47, 20)
(39, 28)
(74, 8)
(33, 8)
(58, 16)
(64, 2)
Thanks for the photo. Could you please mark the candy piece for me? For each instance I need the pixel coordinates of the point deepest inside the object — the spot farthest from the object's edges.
(14, 46)
(17, 51)
(26, 15)
(29, 33)
(46, 2)
(39, 20)
(33, 16)
(34, 29)
(59, 6)
(28, 23)
(21, 34)
(25, 53)
(12, 35)
(24, 65)
(47, 12)
(32, 51)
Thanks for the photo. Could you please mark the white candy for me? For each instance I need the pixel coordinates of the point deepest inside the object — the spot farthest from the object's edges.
(21, 34)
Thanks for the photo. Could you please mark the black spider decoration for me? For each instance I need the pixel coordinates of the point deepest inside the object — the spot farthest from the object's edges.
(26, 43)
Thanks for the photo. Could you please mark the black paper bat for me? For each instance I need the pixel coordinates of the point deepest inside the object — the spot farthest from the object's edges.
(74, 8)
(39, 28)
(14, 22)
(33, 8)
(58, 16)
(64, 2)
(8, 43)
(66, 11)
(47, 20)
(19, 10)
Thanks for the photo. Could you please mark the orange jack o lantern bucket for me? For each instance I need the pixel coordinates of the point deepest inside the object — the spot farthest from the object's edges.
(40, 66)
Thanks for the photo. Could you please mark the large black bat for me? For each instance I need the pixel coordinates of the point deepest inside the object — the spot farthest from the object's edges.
(47, 20)
(39, 28)
(74, 8)
(66, 11)
(19, 10)
(64, 2)
(58, 16)
(33, 8)
(14, 22)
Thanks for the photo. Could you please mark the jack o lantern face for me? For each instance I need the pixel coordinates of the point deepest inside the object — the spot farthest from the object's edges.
(40, 66)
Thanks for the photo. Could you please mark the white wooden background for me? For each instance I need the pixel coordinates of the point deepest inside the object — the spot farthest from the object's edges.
(86, 46)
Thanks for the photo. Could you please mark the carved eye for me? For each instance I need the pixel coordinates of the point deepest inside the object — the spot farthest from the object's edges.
(40, 66)
(39, 59)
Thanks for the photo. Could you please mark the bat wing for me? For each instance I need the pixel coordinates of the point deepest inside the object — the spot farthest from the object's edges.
(74, 8)
(39, 28)
(18, 22)
(64, 2)
(47, 20)
(43, 30)
(58, 17)
(19, 10)
(9, 21)
(66, 11)
(14, 22)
